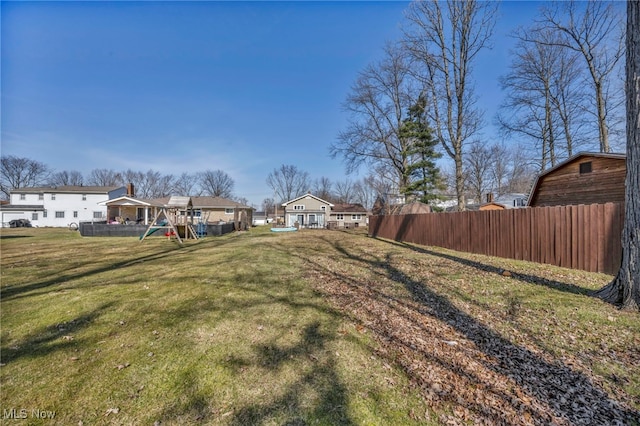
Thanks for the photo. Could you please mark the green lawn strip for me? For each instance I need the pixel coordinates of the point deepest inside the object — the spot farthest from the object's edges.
(220, 331)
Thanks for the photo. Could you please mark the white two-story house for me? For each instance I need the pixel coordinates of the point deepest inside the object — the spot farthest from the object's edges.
(59, 206)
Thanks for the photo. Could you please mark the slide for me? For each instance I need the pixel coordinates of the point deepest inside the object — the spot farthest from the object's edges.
(147, 233)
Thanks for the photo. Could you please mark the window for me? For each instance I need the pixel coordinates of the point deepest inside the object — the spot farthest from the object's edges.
(339, 216)
(44, 213)
(40, 196)
(585, 167)
(356, 216)
(97, 215)
(34, 216)
(228, 211)
(298, 207)
(59, 215)
(53, 196)
(84, 197)
(23, 196)
(323, 208)
(75, 214)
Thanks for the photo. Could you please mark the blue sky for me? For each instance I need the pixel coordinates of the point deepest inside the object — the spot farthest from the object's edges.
(177, 87)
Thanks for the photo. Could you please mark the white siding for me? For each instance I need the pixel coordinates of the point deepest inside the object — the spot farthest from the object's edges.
(68, 203)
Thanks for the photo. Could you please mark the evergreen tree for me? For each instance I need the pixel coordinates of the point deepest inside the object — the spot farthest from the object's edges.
(422, 173)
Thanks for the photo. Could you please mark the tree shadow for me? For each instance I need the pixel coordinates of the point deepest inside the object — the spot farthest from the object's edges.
(20, 290)
(553, 391)
(330, 407)
(49, 339)
(532, 279)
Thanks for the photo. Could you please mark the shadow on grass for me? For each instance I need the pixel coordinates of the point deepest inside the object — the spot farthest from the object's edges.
(567, 394)
(316, 393)
(532, 279)
(21, 290)
(51, 338)
(321, 380)
(7, 237)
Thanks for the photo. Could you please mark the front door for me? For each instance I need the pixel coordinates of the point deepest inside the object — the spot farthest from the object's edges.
(301, 220)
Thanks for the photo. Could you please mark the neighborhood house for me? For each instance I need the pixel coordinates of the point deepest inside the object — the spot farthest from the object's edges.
(309, 211)
(58, 206)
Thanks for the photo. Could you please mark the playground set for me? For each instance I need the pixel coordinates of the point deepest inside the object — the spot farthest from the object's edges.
(177, 220)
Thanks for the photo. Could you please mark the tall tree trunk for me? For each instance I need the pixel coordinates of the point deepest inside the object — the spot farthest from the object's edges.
(624, 290)
(603, 130)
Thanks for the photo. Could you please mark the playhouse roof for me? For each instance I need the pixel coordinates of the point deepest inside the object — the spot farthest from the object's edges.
(176, 201)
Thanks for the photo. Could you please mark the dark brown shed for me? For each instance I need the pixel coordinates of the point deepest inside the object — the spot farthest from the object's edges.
(585, 178)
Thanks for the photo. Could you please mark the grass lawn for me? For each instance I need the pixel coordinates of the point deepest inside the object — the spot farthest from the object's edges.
(312, 327)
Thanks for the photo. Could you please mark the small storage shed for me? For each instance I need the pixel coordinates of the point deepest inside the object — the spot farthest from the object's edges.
(585, 178)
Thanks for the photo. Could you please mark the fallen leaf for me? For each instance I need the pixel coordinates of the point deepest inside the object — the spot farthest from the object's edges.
(115, 410)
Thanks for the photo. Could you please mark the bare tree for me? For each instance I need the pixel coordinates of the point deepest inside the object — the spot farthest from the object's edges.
(543, 99)
(445, 39)
(500, 162)
(288, 182)
(149, 184)
(17, 172)
(186, 184)
(522, 172)
(268, 205)
(377, 104)
(478, 161)
(322, 188)
(242, 200)
(624, 290)
(216, 183)
(364, 193)
(104, 177)
(343, 192)
(593, 30)
(382, 188)
(64, 178)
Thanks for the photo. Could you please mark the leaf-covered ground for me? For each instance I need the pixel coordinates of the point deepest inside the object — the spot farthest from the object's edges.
(488, 341)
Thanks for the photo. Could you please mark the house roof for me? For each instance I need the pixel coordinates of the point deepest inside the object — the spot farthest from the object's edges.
(493, 203)
(204, 202)
(128, 201)
(576, 157)
(219, 202)
(348, 208)
(308, 195)
(68, 189)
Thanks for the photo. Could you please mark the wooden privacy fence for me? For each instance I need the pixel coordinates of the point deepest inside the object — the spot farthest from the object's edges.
(586, 237)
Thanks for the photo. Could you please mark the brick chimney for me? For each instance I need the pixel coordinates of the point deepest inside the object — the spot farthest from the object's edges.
(490, 197)
(130, 192)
